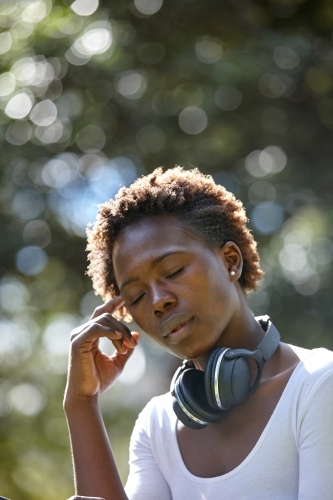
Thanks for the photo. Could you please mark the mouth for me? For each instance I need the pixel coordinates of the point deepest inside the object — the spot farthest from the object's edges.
(179, 327)
(175, 328)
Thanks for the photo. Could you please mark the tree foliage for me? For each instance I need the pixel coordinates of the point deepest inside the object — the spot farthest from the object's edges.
(93, 95)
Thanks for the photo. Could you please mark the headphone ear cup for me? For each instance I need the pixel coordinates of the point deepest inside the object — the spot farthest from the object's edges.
(240, 380)
(184, 417)
(190, 392)
(209, 376)
(233, 379)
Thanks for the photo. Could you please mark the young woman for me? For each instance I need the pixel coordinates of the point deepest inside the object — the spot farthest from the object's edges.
(173, 252)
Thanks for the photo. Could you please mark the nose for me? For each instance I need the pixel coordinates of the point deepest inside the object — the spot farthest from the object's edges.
(162, 300)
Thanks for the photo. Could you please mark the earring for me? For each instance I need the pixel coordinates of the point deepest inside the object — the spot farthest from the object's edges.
(232, 273)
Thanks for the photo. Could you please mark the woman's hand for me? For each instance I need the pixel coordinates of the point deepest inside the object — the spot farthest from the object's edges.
(91, 371)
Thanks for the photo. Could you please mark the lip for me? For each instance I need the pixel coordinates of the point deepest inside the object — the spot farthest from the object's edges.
(176, 325)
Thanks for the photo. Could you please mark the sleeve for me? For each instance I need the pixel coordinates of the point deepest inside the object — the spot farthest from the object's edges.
(145, 480)
(316, 442)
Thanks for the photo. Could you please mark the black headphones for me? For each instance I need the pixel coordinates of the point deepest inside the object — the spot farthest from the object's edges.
(202, 398)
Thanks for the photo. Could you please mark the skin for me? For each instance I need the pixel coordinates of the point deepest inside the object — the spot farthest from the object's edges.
(180, 292)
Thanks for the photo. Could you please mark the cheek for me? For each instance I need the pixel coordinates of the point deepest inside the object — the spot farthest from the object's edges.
(142, 318)
(221, 296)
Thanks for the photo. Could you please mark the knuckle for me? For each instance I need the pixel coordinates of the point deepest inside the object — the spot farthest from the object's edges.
(97, 311)
(126, 330)
(74, 333)
(75, 341)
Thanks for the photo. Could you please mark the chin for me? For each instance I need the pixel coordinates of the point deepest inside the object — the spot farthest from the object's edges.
(194, 353)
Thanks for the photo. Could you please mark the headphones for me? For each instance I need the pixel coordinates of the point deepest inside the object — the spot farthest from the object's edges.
(201, 398)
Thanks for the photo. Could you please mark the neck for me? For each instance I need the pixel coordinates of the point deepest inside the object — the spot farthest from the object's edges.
(243, 332)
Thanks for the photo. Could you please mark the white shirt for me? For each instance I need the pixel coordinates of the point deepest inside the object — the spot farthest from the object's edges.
(293, 458)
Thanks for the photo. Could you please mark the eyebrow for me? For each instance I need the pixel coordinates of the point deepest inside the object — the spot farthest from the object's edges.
(153, 264)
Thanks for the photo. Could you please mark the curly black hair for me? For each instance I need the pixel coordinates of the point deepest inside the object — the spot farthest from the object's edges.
(203, 207)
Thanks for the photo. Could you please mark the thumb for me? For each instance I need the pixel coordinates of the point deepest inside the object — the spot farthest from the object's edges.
(136, 335)
(130, 345)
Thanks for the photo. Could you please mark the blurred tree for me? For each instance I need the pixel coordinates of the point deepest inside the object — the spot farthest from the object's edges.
(93, 94)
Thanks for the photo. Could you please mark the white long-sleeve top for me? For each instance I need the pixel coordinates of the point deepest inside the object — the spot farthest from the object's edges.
(293, 458)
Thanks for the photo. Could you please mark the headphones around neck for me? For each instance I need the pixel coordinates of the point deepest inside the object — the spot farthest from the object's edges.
(202, 398)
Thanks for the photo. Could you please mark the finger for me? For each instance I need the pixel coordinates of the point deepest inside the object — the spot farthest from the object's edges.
(135, 336)
(124, 343)
(92, 333)
(88, 338)
(109, 307)
(103, 320)
(106, 319)
(119, 345)
(120, 359)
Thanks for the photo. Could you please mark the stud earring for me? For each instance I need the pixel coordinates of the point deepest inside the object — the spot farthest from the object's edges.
(232, 273)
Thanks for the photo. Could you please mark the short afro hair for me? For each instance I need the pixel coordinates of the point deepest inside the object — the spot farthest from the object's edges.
(206, 209)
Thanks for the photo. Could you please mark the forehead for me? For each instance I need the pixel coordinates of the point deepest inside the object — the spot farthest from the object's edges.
(149, 238)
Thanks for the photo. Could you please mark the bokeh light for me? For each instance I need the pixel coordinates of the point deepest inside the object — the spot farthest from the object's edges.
(267, 217)
(130, 84)
(26, 398)
(19, 106)
(193, 120)
(84, 7)
(31, 260)
(13, 294)
(208, 49)
(270, 160)
(38, 233)
(148, 7)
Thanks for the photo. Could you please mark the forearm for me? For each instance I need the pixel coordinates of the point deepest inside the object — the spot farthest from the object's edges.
(95, 471)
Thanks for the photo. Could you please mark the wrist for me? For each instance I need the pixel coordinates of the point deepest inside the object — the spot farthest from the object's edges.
(74, 403)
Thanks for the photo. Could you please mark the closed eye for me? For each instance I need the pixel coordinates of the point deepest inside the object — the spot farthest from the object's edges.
(172, 275)
(175, 273)
(137, 300)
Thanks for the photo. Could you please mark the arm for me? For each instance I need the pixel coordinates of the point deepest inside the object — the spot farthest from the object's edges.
(90, 373)
(316, 442)
(95, 471)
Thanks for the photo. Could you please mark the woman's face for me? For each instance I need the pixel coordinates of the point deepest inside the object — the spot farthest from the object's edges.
(177, 289)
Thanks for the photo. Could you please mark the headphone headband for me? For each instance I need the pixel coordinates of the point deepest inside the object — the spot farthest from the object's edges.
(267, 347)
(270, 342)
(260, 355)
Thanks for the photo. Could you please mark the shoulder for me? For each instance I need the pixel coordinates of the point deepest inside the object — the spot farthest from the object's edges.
(157, 414)
(312, 378)
(314, 363)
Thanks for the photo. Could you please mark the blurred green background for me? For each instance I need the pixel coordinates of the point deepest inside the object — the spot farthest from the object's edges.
(94, 94)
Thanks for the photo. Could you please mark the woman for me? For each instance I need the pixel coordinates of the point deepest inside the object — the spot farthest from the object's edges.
(173, 252)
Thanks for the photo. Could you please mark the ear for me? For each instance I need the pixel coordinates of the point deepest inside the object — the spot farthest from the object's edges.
(233, 259)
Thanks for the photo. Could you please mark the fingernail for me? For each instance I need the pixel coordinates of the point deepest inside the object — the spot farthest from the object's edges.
(129, 343)
(118, 333)
(136, 340)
